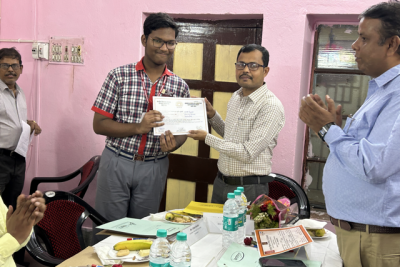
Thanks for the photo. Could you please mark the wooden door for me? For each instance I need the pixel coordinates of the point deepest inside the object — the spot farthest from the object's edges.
(204, 58)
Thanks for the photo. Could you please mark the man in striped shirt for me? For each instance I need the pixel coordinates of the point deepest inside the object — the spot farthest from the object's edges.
(254, 119)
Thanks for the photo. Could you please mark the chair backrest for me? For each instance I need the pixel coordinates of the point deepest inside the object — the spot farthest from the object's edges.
(88, 172)
(62, 223)
(284, 186)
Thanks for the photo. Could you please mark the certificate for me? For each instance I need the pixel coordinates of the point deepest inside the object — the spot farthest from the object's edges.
(181, 114)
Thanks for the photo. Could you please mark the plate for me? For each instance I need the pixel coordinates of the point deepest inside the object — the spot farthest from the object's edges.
(326, 235)
(188, 223)
(129, 258)
(165, 220)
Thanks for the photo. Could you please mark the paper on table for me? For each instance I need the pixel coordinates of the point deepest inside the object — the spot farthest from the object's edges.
(237, 256)
(278, 240)
(181, 114)
(214, 222)
(24, 139)
(195, 232)
(200, 207)
(311, 224)
(141, 227)
(102, 253)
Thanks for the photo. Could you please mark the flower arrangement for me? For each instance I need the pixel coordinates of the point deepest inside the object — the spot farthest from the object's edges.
(267, 212)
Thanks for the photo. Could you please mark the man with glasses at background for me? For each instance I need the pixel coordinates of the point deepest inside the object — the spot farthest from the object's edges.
(13, 114)
(254, 118)
(134, 164)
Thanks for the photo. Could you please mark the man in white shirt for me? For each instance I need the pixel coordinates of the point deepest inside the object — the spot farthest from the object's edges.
(13, 114)
(254, 119)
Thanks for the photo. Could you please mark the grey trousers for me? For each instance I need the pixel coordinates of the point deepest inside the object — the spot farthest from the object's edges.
(128, 188)
(221, 190)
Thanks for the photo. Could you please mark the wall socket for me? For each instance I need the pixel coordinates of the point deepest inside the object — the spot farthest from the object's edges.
(66, 50)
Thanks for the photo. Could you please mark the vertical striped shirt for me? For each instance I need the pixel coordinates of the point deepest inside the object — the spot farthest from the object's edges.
(250, 133)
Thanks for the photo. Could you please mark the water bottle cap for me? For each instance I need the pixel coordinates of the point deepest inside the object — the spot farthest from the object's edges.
(231, 195)
(241, 189)
(161, 233)
(181, 237)
(237, 192)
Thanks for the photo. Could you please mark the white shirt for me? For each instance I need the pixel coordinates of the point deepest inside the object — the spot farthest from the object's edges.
(12, 110)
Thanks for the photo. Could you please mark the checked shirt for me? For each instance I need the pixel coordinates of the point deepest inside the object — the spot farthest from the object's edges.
(250, 132)
(123, 99)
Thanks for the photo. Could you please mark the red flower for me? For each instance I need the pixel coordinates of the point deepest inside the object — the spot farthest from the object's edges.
(248, 241)
(264, 207)
(276, 217)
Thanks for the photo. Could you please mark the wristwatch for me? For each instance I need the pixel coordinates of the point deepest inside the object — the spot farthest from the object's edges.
(324, 130)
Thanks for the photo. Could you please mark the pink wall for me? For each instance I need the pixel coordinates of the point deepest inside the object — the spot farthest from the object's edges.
(60, 96)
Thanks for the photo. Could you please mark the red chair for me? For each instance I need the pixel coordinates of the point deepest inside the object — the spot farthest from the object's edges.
(58, 236)
(87, 172)
(284, 186)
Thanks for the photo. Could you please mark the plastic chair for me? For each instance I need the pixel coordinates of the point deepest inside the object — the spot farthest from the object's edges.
(60, 230)
(87, 172)
(284, 186)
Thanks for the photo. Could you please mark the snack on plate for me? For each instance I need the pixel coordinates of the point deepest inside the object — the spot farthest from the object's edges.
(144, 253)
(316, 232)
(123, 252)
(178, 218)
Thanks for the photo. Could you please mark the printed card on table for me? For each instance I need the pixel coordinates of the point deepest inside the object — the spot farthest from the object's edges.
(279, 240)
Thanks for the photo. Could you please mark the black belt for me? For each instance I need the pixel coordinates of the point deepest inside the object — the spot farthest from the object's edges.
(10, 153)
(345, 225)
(245, 180)
(132, 156)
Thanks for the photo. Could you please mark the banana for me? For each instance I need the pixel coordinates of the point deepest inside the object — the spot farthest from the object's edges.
(137, 244)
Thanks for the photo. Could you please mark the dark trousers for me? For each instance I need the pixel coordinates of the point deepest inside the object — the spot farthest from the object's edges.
(12, 177)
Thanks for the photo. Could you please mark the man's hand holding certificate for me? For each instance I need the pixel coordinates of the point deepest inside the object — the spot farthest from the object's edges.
(181, 115)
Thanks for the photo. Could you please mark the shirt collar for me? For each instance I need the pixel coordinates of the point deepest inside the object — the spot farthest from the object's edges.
(4, 86)
(140, 66)
(257, 94)
(388, 76)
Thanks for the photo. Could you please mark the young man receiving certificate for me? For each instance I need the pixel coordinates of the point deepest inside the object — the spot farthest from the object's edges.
(254, 119)
(134, 163)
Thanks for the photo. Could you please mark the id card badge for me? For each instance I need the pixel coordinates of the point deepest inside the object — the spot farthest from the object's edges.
(165, 93)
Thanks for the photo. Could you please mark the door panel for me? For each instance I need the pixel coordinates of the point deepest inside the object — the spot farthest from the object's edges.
(188, 61)
(225, 58)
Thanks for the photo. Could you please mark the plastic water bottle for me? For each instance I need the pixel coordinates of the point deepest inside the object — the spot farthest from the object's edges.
(242, 212)
(230, 221)
(160, 250)
(244, 198)
(180, 252)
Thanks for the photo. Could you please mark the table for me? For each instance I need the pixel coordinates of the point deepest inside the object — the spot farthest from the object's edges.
(323, 250)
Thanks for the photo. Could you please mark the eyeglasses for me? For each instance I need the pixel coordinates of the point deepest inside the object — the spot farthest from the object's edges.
(159, 43)
(251, 65)
(6, 66)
